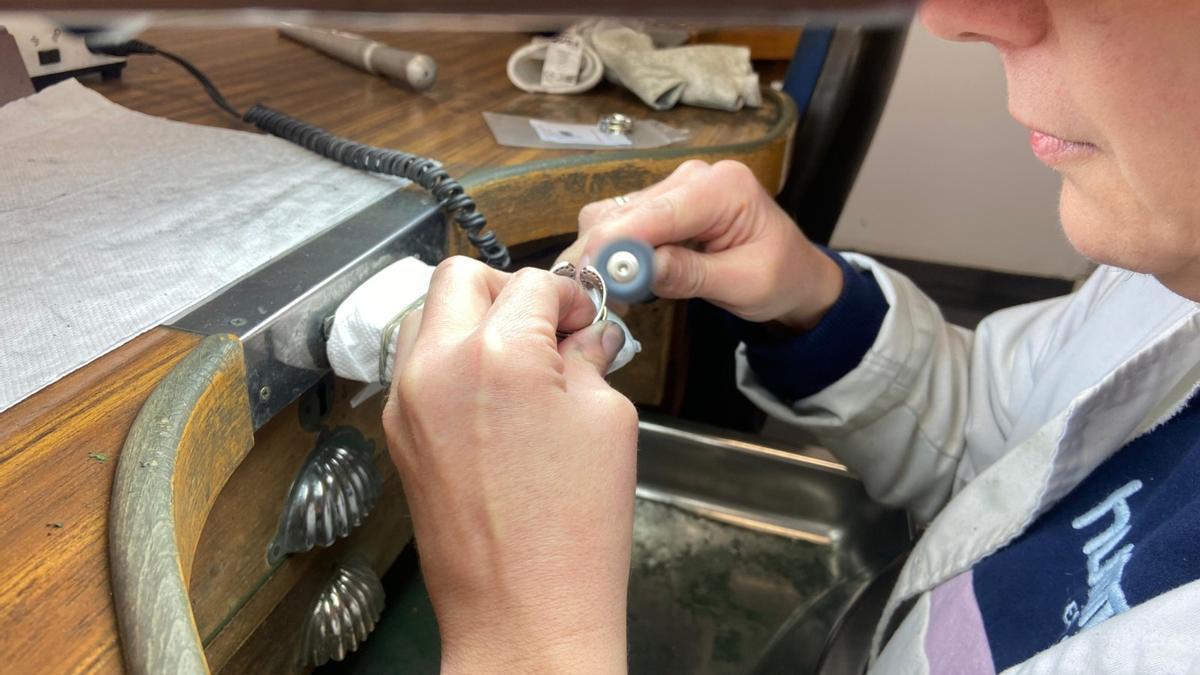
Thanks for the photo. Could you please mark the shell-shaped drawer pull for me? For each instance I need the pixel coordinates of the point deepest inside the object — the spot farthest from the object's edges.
(335, 490)
(344, 613)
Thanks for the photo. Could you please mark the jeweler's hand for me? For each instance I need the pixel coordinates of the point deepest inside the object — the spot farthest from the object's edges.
(719, 236)
(518, 464)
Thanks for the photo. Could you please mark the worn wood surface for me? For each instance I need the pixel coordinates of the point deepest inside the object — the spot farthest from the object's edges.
(233, 588)
(257, 66)
(190, 435)
(58, 453)
(773, 44)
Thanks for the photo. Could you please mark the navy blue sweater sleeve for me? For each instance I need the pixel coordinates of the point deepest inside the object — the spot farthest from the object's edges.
(798, 366)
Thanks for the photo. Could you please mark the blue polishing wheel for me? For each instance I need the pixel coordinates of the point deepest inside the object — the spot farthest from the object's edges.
(627, 266)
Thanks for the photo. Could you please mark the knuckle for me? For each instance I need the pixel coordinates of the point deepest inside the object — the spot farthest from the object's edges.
(573, 251)
(691, 167)
(684, 275)
(621, 414)
(591, 214)
(392, 424)
(736, 173)
(695, 277)
(668, 206)
(492, 353)
(530, 276)
(409, 384)
(457, 266)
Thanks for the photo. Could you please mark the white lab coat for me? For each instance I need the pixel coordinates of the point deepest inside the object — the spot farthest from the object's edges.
(980, 432)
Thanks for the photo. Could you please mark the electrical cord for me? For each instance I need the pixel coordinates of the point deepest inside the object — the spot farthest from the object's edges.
(423, 171)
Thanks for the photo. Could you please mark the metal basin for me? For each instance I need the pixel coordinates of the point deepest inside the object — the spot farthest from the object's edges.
(749, 557)
(746, 558)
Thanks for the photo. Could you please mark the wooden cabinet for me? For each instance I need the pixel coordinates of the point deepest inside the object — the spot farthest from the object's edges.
(247, 609)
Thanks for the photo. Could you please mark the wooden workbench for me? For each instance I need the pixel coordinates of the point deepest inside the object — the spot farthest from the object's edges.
(59, 448)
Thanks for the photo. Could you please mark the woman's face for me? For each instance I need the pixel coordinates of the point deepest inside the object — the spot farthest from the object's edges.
(1110, 90)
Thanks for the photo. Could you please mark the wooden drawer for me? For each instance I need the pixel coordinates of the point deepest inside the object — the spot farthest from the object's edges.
(197, 504)
(234, 588)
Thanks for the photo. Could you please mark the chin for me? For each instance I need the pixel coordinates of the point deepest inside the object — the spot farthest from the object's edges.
(1103, 235)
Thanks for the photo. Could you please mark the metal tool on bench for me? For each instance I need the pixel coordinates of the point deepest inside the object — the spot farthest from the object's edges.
(418, 71)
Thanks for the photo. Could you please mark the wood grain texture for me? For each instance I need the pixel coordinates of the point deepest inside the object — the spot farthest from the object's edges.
(233, 587)
(257, 66)
(58, 453)
(186, 441)
(775, 44)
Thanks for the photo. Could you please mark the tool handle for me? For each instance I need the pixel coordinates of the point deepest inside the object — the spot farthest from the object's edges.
(417, 70)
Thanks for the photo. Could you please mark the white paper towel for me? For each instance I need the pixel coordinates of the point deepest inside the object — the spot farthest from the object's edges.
(113, 222)
(355, 339)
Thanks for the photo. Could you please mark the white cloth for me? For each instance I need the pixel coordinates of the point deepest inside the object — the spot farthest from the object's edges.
(112, 222)
(358, 324)
(525, 69)
(982, 432)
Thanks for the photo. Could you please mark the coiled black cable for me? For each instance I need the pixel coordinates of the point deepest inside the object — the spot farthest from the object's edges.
(421, 170)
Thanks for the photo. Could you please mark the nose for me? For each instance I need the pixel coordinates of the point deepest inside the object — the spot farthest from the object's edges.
(1004, 23)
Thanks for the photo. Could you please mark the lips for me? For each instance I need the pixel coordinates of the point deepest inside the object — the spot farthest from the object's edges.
(1053, 150)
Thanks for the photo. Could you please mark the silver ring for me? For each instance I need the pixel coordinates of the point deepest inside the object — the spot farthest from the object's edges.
(593, 285)
(563, 269)
(621, 200)
(390, 331)
(615, 124)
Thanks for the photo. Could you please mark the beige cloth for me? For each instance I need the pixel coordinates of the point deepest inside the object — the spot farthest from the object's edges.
(709, 76)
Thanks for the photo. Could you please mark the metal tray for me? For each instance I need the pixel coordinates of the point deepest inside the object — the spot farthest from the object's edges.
(753, 558)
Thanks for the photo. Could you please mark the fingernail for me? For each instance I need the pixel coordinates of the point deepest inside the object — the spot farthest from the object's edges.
(611, 340)
(584, 261)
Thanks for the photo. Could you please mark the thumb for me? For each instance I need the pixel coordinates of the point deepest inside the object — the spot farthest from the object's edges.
(591, 351)
(682, 273)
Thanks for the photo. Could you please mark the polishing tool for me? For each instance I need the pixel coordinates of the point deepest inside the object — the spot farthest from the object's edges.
(627, 266)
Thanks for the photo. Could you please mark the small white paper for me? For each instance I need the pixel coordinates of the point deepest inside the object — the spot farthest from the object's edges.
(564, 57)
(576, 134)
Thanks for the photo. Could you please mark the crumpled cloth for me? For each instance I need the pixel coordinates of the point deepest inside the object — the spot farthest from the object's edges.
(356, 337)
(648, 63)
(709, 76)
(525, 69)
(113, 222)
